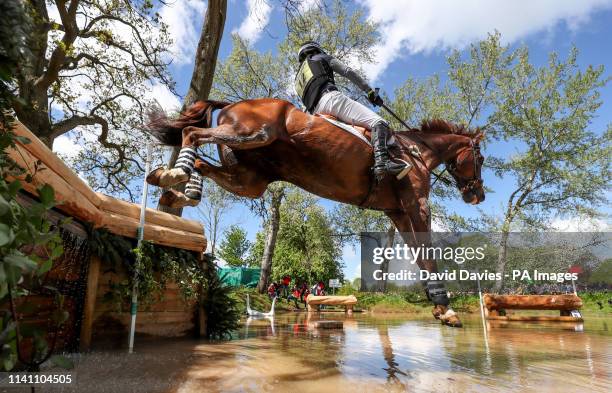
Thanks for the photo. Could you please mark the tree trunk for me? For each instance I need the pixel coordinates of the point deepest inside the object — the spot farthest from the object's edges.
(203, 70)
(272, 231)
(32, 108)
(501, 259)
(384, 267)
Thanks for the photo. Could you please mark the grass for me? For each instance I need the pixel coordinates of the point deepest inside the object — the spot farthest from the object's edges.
(260, 302)
(408, 302)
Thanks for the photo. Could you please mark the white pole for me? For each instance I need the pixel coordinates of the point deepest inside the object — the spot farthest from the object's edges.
(143, 207)
(484, 323)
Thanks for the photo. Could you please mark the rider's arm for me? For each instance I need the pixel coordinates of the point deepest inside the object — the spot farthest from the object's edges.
(349, 73)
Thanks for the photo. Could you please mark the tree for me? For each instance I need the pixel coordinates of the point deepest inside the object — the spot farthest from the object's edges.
(306, 247)
(276, 193)
(563, 167)
(235, 247)
(212, 209)
(88, 70)
(203, 71)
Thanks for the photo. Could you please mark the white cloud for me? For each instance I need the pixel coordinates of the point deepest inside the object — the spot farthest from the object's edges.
(165, 98)
(64, 146)
(256, 21)
(580, 225)
(184, 19)
(412, 26)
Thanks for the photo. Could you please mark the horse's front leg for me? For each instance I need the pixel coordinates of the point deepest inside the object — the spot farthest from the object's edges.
(234, 135)
(415, 228)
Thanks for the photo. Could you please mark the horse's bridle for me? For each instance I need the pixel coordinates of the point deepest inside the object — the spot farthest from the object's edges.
(474, 183)
(451, 167)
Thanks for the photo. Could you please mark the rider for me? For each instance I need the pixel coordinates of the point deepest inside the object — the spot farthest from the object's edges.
(315, 85)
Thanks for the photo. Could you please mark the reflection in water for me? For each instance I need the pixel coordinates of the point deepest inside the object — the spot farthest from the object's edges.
(250, 320)
(392, 366)
(396, 353)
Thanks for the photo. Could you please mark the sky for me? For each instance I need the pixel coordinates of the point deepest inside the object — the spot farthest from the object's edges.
(416, 38)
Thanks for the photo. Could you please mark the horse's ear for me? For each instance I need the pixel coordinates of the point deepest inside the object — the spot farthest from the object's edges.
(479, 136)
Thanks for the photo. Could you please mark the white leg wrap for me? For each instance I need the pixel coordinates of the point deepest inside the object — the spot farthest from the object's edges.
(186, 159)
(193, 190)
(449, 313)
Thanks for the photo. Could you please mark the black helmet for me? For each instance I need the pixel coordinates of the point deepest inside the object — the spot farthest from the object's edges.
(307, 48)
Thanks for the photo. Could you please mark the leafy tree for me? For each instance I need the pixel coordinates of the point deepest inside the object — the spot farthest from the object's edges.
(235, 247)
(602, 274)
(306, 247)
(563, 167)
(212, 209)
(88, 71)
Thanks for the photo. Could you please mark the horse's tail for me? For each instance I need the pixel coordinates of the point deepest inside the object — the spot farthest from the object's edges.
(169, 131)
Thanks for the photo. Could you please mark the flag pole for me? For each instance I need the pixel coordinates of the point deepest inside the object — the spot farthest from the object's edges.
(143, 207)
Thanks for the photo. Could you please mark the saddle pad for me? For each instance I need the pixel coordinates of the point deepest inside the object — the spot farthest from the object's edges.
(348, 128)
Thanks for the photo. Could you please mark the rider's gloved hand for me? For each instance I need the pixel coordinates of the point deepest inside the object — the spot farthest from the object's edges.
(374, 97)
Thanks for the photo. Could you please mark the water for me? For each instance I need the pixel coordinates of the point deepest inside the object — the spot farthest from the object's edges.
(371, 354)
(397, 353)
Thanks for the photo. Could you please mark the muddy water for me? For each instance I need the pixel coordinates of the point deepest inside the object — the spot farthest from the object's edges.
(397, 353)
(370, 354)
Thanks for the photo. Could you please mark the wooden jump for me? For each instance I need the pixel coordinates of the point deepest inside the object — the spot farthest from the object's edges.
(494, 304)
(347, 301)
(78, 200)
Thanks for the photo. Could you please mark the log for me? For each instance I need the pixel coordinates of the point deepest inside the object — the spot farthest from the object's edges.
(81, 202)
(532, 302)
(113, 205)
(350, 300)
(89, 308)
(328, 325)
(534, 318)
(72, 201)
(127, 226)
(39, 150)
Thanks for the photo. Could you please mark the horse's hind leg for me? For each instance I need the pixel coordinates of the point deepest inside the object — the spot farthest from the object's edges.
(232, 135)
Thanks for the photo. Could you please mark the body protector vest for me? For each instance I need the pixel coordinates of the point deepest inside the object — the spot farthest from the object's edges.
(314, 76)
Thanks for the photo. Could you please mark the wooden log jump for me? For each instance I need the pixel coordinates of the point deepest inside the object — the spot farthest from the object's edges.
(496, 305)
(78, 200)
(347, 301)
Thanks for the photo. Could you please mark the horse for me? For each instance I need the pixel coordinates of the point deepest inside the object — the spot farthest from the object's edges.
(261, 141)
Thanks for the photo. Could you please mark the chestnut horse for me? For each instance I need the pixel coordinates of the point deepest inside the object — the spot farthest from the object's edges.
(265, 140)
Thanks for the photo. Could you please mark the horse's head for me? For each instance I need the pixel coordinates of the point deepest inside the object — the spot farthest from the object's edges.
(466, 169)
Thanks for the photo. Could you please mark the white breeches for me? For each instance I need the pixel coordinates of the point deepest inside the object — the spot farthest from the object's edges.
(347, 110)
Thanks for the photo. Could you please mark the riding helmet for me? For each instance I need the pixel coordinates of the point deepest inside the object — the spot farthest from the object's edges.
(307, 48)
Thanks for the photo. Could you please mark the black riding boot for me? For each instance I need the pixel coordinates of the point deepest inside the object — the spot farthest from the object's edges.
(382, 164)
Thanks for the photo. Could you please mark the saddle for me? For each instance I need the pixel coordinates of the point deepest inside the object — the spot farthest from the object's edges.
(360, 132)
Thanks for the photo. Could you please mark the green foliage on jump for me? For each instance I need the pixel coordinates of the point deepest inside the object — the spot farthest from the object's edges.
(29, 243)
(220, 306)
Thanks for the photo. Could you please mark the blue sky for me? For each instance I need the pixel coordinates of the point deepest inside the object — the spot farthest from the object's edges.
(416, 38)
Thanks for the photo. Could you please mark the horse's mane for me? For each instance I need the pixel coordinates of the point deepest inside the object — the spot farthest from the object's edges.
(439, 126)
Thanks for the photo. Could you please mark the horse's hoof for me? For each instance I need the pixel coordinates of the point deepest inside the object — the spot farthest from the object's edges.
(437, 311)
(177, 200)
(447, 316)
(162, 177)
